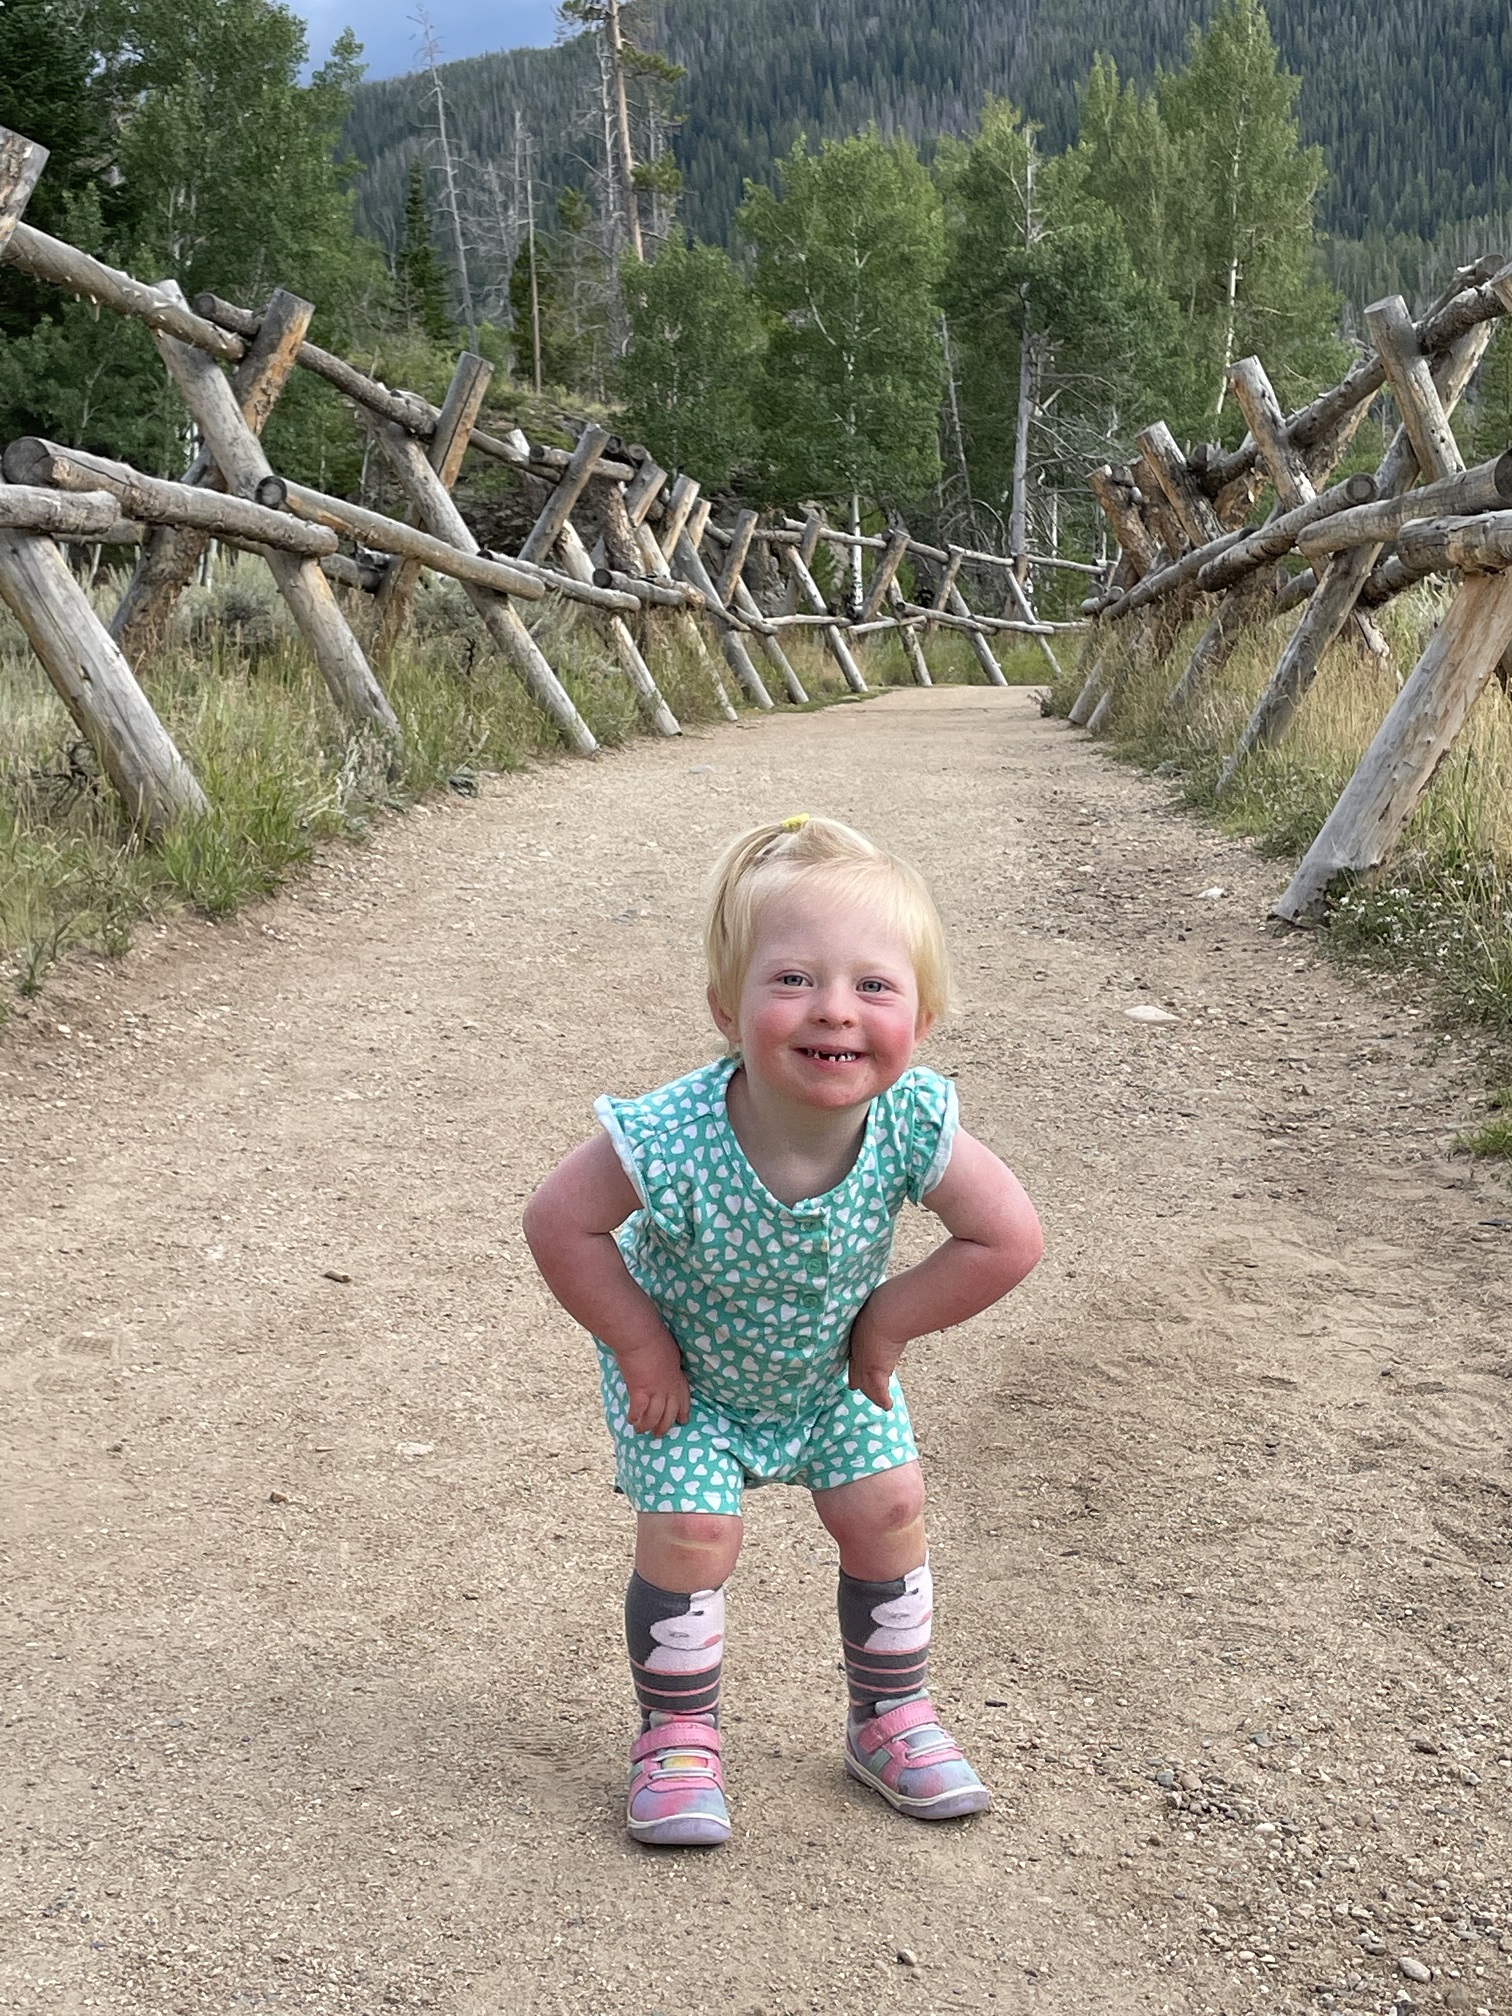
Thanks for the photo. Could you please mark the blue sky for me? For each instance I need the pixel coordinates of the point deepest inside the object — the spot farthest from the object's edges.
(463, 28)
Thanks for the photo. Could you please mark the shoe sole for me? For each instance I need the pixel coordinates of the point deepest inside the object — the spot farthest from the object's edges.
(694, 1830)
(943, 1806)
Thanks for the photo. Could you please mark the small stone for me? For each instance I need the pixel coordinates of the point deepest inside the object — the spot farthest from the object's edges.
(278, 1498)
(1165, 1780)
(1415, 1970)
(1147, 1013)
(335, 1274)
(907, 1957)
(1457, 1995)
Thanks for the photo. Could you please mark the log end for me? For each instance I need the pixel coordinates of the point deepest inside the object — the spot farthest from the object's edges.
(272, 493)
(1360, 488)
(1502, 476)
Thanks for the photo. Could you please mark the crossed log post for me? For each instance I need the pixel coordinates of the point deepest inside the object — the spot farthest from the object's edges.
(445, 451)
(1339, 588)
(239, 455)
(680, 550)
(626, 530)
(171, 553)
(442, 519)
(733, 592)
(805, 588)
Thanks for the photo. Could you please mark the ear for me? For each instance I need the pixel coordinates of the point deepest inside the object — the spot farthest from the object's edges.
(925, 1023)
(724, 1022)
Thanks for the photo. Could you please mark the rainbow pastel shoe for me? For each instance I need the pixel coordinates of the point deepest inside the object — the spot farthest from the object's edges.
(914, 1763)
(677, 1787)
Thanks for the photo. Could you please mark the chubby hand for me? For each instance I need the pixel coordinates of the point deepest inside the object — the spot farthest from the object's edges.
(874, 1357)
(657, 1386)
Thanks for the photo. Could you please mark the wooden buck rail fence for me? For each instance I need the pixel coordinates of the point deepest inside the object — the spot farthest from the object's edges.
(1186, 547)
(650, 551)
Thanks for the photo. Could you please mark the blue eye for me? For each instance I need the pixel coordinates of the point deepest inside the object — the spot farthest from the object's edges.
(792, 980)
(874, 987)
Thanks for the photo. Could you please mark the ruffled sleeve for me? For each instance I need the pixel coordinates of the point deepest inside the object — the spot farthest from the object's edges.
(935, 1121)
(659, 1141)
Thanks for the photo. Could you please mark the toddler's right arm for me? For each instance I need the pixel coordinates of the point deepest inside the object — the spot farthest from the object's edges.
(569, 1227)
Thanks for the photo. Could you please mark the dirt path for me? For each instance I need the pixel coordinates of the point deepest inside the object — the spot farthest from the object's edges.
(312, 1687)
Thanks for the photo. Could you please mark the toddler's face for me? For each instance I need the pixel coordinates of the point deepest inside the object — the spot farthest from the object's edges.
(829, 1013)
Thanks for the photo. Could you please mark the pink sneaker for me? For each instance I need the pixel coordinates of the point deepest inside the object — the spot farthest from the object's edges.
(677, 1788)
(916, 1766)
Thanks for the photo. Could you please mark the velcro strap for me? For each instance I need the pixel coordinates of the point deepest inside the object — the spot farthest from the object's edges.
(676, 1736)
(898, 1721)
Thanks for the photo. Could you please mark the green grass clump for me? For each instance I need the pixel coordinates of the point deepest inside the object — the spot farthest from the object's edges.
(1494, 1139)
(1444, 904)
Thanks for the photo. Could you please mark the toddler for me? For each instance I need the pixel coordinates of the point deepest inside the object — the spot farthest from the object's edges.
(725, 1240)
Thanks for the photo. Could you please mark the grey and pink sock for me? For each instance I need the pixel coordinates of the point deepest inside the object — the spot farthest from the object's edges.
(676, 1647)
(884, 1633)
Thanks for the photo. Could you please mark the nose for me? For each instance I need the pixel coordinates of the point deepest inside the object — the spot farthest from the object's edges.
(834, 1003)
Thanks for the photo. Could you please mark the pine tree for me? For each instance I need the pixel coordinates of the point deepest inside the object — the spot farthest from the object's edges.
(419, 278)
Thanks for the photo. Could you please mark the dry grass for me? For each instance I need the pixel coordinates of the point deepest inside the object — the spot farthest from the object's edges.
(242, 700)
(1444, 903)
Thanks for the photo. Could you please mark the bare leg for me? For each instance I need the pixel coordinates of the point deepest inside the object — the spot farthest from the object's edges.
(878, 1522)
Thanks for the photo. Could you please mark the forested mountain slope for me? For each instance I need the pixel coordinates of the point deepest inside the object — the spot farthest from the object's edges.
(1408, 98)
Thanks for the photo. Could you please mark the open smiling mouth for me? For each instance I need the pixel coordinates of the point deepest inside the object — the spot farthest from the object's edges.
(832, 1056)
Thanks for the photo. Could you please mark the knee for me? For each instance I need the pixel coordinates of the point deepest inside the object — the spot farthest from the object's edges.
(899, 1501)
(687, 1550)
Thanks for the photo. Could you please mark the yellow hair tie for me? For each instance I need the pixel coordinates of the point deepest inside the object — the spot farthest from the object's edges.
(792, 825)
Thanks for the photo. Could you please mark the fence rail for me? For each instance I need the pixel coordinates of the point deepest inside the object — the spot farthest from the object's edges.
(657, 547)
(1187, 547)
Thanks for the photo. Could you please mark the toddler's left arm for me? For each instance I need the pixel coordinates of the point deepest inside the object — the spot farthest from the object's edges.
(995, 1240)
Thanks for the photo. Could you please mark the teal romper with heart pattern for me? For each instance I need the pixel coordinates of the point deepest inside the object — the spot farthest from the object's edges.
(761, 1295)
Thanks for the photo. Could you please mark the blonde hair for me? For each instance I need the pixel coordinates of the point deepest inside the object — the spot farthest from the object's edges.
(821, 853)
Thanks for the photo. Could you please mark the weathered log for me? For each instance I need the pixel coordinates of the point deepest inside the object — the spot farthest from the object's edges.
(445, 453)
(1277, 537)
(985, 655)
(1345, 576)
(306, 591)
(1411, 381)
(1162, 580)
(881, 582)
(1182, 491)
(31, 460)
(76, 272)
(503, 621)
(1386, 789)
(1486, 487)
(655, 563)
(405, 409)
(26, 506)
(675, 517)
(21, 163)
(660, 594)
(559, 506)
(95, 682)
(745, 603)
(1480, 293)
(1480, 545)
(643, 492)
(688, 561)
(576, 561)
(908, 635)
(807, 587)
(735, 555)
(948, 576)
(1115, 493)
(172, 553)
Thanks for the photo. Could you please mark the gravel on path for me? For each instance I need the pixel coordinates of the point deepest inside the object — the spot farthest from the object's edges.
(310, 1665)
